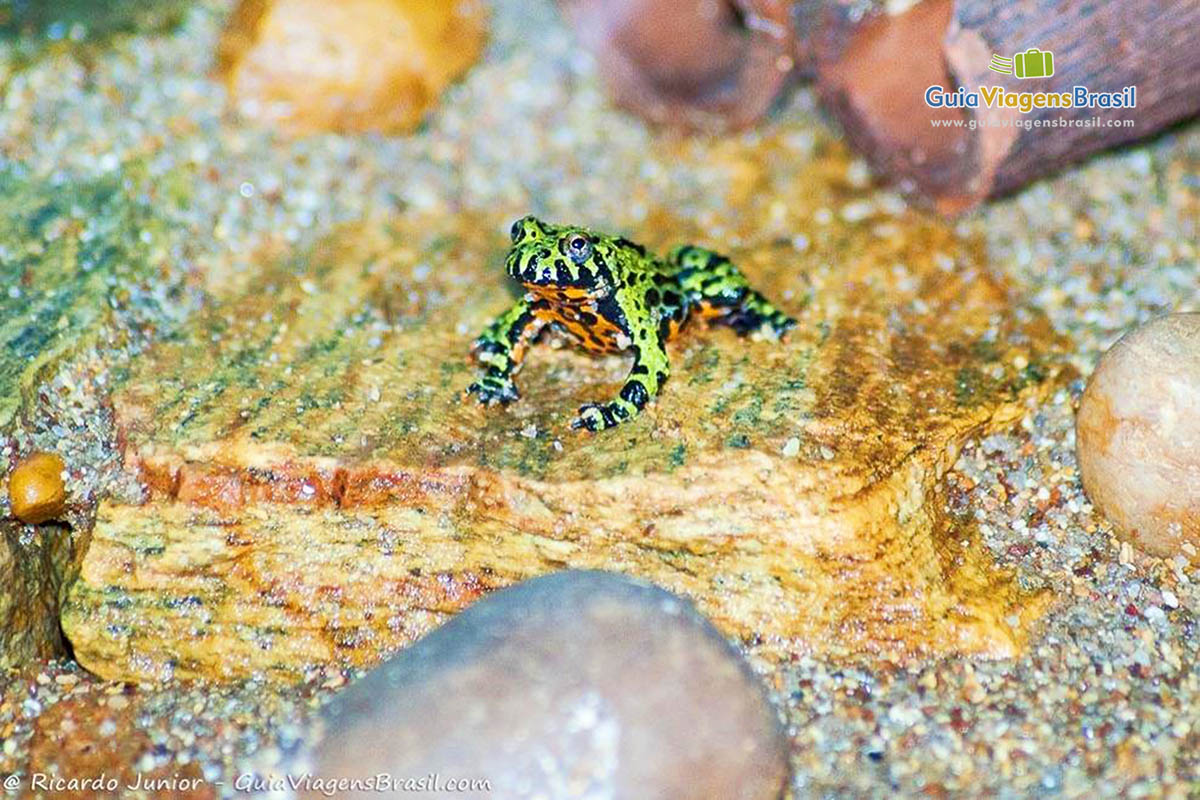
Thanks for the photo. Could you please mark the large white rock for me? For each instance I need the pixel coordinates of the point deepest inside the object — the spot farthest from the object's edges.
(1138, 435)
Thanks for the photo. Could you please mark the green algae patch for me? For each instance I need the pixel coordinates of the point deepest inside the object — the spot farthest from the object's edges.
(76, 260)
(33, 29)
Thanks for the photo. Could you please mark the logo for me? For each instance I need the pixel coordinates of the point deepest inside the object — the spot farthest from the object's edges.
(1033, 63)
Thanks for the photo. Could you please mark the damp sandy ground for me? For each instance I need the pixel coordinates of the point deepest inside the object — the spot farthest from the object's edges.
(1106, 701)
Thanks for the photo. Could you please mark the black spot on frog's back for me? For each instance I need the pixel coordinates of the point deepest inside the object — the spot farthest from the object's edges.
(626, 244)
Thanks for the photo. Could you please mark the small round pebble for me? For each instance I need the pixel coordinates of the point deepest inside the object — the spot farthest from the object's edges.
(1138, 435)
(577, 684)
(35, 488)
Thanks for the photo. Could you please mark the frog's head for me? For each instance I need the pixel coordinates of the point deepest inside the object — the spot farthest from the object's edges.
(575, 260)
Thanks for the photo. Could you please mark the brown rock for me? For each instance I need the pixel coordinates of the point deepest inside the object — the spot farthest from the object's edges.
(31, 576)
(35, 488)
(354, 65)
(577, 684)
(976, 153)
(73, 312)
(1138, 435)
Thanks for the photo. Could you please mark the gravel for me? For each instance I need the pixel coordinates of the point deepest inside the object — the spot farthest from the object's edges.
(1106, 702)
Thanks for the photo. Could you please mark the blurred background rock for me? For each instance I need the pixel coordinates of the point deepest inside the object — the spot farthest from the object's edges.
(356, 65)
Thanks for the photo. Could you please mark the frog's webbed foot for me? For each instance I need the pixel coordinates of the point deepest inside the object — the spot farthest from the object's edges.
(494, 388)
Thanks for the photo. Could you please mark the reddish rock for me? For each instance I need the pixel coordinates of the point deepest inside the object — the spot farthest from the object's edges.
(695, 64)
(92, 747)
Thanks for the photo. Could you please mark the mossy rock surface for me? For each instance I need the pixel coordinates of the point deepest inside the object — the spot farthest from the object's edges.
(74, 259)
(34, 29)
(84, 268)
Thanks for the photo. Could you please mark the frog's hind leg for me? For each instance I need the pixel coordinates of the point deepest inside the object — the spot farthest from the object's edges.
(719, 292)
(501, 348)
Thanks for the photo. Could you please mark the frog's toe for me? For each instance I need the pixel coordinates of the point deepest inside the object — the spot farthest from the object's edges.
(490, 389)
(782, 324)
(590, 418)
(593, 417)
(600, 416)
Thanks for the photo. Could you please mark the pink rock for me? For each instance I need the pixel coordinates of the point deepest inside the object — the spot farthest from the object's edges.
(1138, 436)
(573, 685)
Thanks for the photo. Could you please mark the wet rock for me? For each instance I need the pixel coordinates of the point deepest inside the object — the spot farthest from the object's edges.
(36, 490)
(49, 19)
(32, 31)
(105, 740)
(84, 263)
(1138, 435)
(578, 684)
(360, 65)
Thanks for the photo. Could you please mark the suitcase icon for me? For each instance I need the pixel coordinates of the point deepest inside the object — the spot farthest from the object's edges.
(1034, 63)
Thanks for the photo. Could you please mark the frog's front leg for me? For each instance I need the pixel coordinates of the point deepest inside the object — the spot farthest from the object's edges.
(501, 348)
(650, 370)
(719, 291)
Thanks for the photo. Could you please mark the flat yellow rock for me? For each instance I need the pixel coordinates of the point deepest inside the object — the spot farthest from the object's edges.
(320, 491)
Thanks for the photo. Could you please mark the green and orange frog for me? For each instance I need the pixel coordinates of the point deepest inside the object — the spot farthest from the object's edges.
(610, 295)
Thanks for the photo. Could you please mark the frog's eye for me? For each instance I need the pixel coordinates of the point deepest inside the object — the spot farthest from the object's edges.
(518, 231)
(578, 247)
